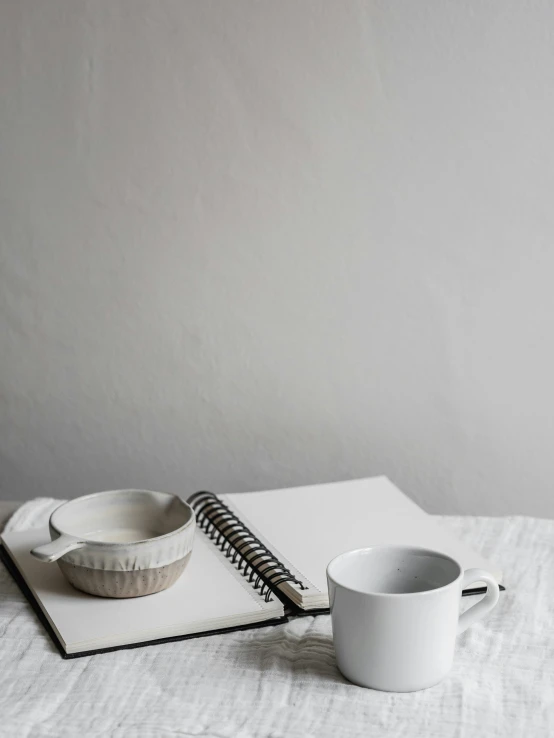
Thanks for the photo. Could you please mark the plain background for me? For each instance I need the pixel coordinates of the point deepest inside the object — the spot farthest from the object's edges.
(247, 245)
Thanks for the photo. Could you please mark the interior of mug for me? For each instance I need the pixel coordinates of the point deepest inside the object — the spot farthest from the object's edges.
(122, 516)
(393, 570)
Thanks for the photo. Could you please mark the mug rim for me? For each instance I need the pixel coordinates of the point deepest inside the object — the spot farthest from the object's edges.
(397, 547)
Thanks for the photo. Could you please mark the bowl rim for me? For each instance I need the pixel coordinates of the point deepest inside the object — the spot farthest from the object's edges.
(126, 544)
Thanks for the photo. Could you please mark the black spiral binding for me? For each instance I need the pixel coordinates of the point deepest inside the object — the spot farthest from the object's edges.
(254, 560)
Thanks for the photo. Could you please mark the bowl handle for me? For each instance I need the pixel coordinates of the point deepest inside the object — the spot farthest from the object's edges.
(56, 548)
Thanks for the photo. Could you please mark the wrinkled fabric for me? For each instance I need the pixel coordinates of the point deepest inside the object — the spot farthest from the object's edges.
(282, 681)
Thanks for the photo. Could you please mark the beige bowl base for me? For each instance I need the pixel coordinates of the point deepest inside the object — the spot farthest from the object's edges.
(123, 583)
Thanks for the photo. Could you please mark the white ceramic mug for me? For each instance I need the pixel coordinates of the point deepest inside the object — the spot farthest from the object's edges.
(395, 614)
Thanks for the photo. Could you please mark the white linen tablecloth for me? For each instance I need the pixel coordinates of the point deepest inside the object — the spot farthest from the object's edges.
(282, 681)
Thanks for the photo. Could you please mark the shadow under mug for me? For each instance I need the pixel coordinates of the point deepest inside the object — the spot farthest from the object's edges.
(395, 614)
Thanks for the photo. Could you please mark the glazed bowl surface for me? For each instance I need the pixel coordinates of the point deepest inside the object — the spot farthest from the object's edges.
(121, 543)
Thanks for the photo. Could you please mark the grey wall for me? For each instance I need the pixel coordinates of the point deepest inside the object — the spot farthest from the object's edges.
(253, 244)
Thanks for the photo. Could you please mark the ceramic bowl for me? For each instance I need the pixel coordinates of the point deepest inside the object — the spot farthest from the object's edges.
(123, 543)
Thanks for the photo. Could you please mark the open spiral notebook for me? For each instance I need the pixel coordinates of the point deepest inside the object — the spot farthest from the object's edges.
(258, 559)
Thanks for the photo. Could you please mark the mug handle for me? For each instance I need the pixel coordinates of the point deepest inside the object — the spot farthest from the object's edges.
(485, 605)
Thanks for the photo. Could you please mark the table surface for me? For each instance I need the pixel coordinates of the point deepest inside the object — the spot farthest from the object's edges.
(282, 680)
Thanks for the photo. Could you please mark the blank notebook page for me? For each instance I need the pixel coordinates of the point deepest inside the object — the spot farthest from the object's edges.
(209, 594)
(308, 526)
